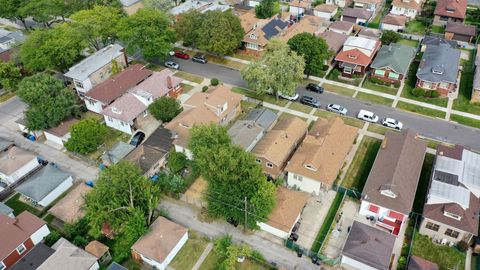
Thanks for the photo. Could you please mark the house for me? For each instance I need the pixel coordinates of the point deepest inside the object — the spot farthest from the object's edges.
(325, 11)
(339, 3)
(460, 32)
(438, 69)
(5, 144)
(15, 163)
(392, 62)
(116, 266)
(70, 208)
(67, 256)
(160, 245)
(116, 153)
(286, 213)
(218, 105)
(187, 6)
(342, 27)
(367, 248)
(417, 263)
(356, 55)
(407, 8)
(9, 39)
(298, 8)
(476, 79)
(60, 134)
(126, 112)
(105, 93)
(100, 251)
(334, 41)
(34, 258)
(262, 31)
(394, 23)
(131, 6)
(19, 235)
(45, 185)
(370, 5)
(5, 210)
(449, 11)
(275, 148)
(316, 163)
(308, 24)
(251, 129)
(95, 69)
(388, 195)
(358, 16)
(436, 40)
(151, 155)
(450, 213)
(370, 33)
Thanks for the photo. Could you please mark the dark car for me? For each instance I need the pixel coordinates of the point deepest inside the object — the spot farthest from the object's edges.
(310, 101)
(181, 54)
(199, 58)
(137, 139)
(314, 88)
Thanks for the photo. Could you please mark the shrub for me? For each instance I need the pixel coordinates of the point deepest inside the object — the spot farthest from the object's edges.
(396, 84)
(205, 88)
(171, 183)
(257, 256)
(80, 241)
(86, 136)
(462, 246)
(432, 94)
(325, 67)
(52, 238)
(418, 92)
(176, 161)
(165, 108)
(334, 74)
(214, 82)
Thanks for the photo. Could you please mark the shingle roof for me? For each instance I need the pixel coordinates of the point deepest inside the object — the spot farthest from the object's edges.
(439, 64)
(460, 28)
(412, 4)
(126, 108)
(341, 25)
(245, 132)
(117, 153)
(396, 57)
(274, 27)
(326, 8)
(370, 33)
(476, 78)
(34, 258)
(417, 263)
(395, 19)
(288, 208)
(438, 40)
(263, 117)
(96, 248)
(145, 157)
(4, 209)
(70, 208)
(13, 159)
(334, 40)
(63, 128)
(360, 13)
(68, 257)
(116, 266)
(451, 8)
(158, 84)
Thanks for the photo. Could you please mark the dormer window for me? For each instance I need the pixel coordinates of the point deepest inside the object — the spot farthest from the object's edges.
(310, 167)
(451, 215)
(388, 193)
(438, 70)
(184, 125)
(253, 36)
(115, 110)
(21, 249)
(450, 9)
(352, 56)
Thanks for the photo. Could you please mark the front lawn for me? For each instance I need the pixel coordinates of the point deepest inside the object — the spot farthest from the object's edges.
(422, 188)
(186, 88)
(419, 109)
(300, 107)
(264, 97)
(415, 27)
(190, 252)
(374, 99)
(378, 129)
(19, 206)
(189, 77)
(446, 257)
(347, 120)
(408, 42)
(352, 81)
(462, 103)
(467, 121)
(338, 89)
(380, 88)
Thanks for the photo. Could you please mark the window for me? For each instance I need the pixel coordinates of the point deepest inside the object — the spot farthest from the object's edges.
(269, 165)
(379, 72)
(443, 85)
(432, 226)
(258, 160)
(79, 84)
(298, 177)
(452, 233)
(310, 167)
(122, 123)
(451, 215)
(21, 249)
(388, 193)
(393, 75)
(110, 119)
(373, 208)
(91, 102)
(2, 266)
(347, 70)
(145, 113)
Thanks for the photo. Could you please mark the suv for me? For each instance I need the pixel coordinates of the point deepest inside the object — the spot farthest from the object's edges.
(137, 139)
(181, 54)
(199, 58)
(367, 116)
(314, 88)
(310, 101)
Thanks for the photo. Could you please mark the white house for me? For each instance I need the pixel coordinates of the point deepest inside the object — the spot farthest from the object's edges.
(394, 23)
(10, 39)
(408, 8)
(338, 3)
(160, 245)
(60, 134)
(325, 11)
(15, 163)
(299, 7)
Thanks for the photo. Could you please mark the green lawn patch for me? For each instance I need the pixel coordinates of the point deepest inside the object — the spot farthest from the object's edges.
(359, 169)
(190, 252)
(264, 97)
(189, 77)
(113, 136)
(408, 42)
(250, 264)
(374, 98)
(211, 261)
(19, 206)
(347, 120)
(419, 109)
(415, 27)
(155, 67)
(338, 89)
(446, 257)
(467, 121)
(378, 129)
(438, 29)
(380, 88)
(422, 187)
(352, 81)
(327, 222)
(6, 96)
(375, 23)
(300, 107)
(288, 115)
(462, 103)
(186, 88)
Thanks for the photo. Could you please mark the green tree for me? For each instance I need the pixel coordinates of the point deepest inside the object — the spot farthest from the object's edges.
(116, 68)
(187, 27)
(162, 5)
(165, 108)
(170, 183)
(267, 8)
(10, 75)
(177, 161)
(279, 70)
(86, 136)
(313, 49)
(44, 11)
(148, 31)
(207, 137)
(48, 99)
(10, 9)
(389, 36)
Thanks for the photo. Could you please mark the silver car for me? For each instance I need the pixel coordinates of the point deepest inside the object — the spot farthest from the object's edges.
(173, 65)
(337, 109)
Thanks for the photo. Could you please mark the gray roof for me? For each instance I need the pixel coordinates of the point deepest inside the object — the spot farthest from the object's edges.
(34, 258)
(360, 13)
(94, 62)
(247, 132)
(161, 139)
(42, 182)
(476, 78)
(274, 27)
(116, 153)
(5, 36)
(4, 144)
(437, 40)
(67, 256)
(188, 5)
(439, 64)
(5, 210)
(263, 117)
(127, 3)
(369, 245)
(116, 266)
(394, 56)
(417, 263)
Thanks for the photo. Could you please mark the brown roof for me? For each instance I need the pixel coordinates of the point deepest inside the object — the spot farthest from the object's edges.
(369, 1)
(455, 152)
(334, 40)
(14, 231)
(13, 159)
(397, 169)
(395, 20)
(324, 150)
(360, 13)
(308, 24)
(326, 8)
(63, 128)
(96, 248)
(162, 238)
(126, 108)
(371, 33)
(159, 84)
(248, 20)
(70, 208)
(277, 145)
(451, 8)
(289, 206)
(460, 28)
(118, 84)
(300, 3)
(341, 25)
(145, 157)
(412, 4)
(417, 263)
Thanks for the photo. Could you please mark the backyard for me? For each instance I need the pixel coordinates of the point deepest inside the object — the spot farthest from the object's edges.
(19, 206)
(408, 42)
(416, 27)
(446, 257)
(327, 222)
(190, 252)
(422, 187)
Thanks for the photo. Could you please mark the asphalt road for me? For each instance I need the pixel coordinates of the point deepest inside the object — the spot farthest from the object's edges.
(429, 127)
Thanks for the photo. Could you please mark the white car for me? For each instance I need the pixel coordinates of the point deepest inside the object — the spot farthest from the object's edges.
(171, 64)
(287, 97)
(337, 109)
(392, 123)
(367, 116)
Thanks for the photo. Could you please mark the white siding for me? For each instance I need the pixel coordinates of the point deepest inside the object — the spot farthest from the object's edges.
(87, 85)
(95, 266)
(56, 192)
(295, 11)
(38, 236)
(94, 105)
(306, 184)
(21, 172)
(391, 27)
(118, 124)
(356, 264)
(324, 15)
(170, 256)
(53, 138)
(253, 3)
(22, 128)
(273, 230)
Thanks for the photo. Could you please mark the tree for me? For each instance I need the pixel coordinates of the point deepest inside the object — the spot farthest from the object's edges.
(48, 99)
(165, 108)
(162, 5)
(57, 48)
(10, 9)
(187, 27)
(86, 136)
(278, 71)
(44, 11)
(116, 68)
(170, 183)
(97, 25)
(267, 9)
(208, 137)
(148, 31)
(389, 36)
(313, 49)
(10, 75)
(176, 161)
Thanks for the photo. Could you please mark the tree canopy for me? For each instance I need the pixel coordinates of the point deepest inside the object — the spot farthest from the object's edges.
(44, 11)
(163, 5)
(11, 9)
(389, 36)
(187, 27)
(165, 108)
(86, 136)
(313, 49)
(10, 75)
(267, 8)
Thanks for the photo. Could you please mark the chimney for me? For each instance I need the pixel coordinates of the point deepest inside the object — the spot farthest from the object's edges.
(15, 220)
(169, 82)
(384, 143)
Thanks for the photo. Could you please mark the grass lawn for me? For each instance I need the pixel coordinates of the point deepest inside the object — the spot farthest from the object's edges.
(380, 88)
(408, 42)
(327, 222)
(6, 96)
(300, 107)
(353, 81)
(438, 29)
(189, 77)
(375, 23)
(287, 115)
(190, 252)
(347, 120)
(415, 27)
(359, 169)
(19, 206)
(266, 98)
(446, 257)
(374, 99)
(211, 262)
(422, 187)
(465, 120)
(155, 67)
(419, 109)
(225, 62)
(378, 129)
(338, 89)
(462, 103)
(186, 87)
(249, 264)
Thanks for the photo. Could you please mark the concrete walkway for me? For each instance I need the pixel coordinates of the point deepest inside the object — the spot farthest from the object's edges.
(203, 256)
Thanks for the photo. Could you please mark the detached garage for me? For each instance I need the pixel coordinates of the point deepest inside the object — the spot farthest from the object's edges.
(61, 133)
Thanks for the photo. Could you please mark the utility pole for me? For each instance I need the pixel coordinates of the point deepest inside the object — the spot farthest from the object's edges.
(246, 213)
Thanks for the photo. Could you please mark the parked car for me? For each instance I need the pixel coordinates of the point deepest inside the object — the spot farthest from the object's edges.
(171, 64)
(199, 58)
(392, 123)
(137, 139)
(310, 101)
(314, 88)
(367, 116)
(181, 54)
(337, 109)
(291, 98)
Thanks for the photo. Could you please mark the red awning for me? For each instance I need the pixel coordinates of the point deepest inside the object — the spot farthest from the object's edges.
(396, 215)
(373, 208)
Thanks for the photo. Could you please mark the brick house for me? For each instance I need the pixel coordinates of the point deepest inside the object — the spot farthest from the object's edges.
(450, 11)
(392, 62)
(356, 55)
(460, 32)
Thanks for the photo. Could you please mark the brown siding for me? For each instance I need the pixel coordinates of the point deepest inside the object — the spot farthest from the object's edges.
(14, 256)
(436, 86)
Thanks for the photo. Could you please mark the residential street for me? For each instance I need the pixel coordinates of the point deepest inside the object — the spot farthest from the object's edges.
(428, 127)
